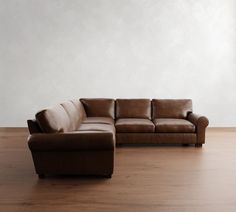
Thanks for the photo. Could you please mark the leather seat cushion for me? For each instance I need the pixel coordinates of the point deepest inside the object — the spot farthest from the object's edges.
(167, 125)
(98, 120)
(97, 127)
(134, 125)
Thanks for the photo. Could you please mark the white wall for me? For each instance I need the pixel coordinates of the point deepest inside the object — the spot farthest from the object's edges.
(55, 50)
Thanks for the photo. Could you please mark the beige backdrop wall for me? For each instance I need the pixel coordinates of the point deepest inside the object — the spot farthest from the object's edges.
(54, 50)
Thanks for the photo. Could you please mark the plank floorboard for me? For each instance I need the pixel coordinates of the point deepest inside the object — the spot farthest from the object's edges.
(151, 178)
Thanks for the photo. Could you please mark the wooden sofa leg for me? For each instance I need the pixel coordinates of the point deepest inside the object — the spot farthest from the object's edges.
(198, 145)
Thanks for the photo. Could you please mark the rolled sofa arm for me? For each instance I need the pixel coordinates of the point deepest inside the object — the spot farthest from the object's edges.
(73, 141)
(200, 122)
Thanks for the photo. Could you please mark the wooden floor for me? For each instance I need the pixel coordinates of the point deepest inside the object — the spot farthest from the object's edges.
(149, 179)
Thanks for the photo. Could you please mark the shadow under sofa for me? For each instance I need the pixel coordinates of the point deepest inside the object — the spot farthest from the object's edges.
(79, 137)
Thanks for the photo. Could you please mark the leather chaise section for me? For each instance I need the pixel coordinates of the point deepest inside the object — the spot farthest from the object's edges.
(174, 126)
(129, 125)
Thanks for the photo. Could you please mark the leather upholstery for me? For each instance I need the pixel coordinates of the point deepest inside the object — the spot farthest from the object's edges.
(84, 162)
(133, 108)
(98, 120)
(166, 125)
(78, 137)
(171, 108)
(99, 107)
(97, 127)
(74, 115)
(201, 122)
(131, 125)
(54, 119)
(156, 138)
(71, 141)
(33, 126)
(80, 108)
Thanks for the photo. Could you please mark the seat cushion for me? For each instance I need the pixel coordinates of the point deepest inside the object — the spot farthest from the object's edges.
(98, 120)
(99, 107)
(173, 126)
(133, 108)
(133, 125)
(171, 108)
(97, 127)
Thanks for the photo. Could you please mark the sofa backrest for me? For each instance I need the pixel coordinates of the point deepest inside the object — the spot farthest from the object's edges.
(53, 119)
(133, 108)
(99, 107)
(171, 108)
(64, 117)
(80, 108)
(76, 113)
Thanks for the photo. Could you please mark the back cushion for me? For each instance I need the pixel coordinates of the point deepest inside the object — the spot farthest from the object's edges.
(74, 114)
(133, 108)
(171, 108)
(54, 119)
(80, 108)
(99, 107)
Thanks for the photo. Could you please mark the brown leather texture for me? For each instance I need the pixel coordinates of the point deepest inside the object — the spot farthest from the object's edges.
(79, 137)
(72, 141)
(98, 120)
(133, 108)
(201, 122)
(156, 138)
(89, 162)
(74, 115)
(80, 108)
(99, 107)
(97, 127)
(134, 125)
(166, 125)
(54, 119)
(171, 108)
(33, 126)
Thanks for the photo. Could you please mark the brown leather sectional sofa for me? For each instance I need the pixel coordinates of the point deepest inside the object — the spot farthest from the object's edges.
(79, 136)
